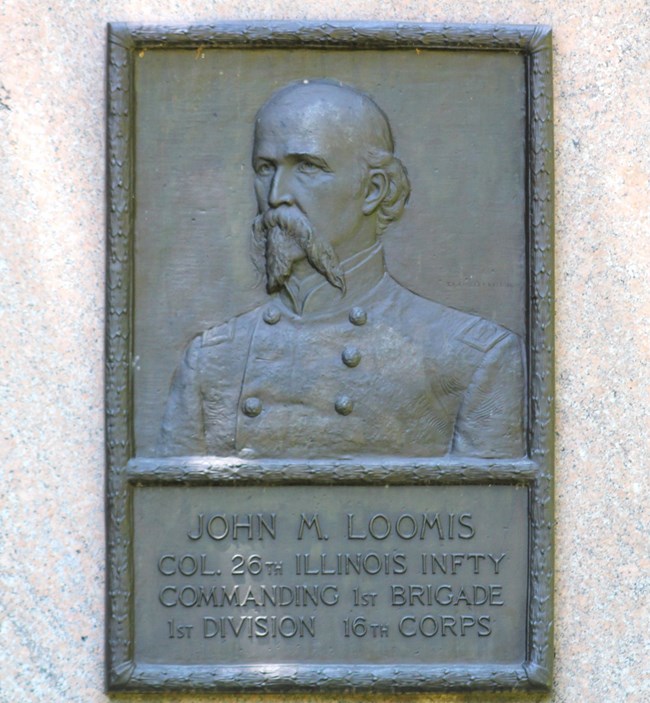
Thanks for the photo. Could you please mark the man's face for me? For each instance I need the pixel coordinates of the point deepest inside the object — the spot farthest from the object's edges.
(306, 158)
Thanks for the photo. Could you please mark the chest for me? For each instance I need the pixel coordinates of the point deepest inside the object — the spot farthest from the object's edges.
(334, 388)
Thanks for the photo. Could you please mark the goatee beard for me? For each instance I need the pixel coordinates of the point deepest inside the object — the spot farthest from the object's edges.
(276, 233)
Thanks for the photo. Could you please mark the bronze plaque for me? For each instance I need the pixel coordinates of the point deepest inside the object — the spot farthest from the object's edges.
(329, 357)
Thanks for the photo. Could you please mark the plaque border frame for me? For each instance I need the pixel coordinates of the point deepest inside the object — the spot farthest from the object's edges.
(125, 472)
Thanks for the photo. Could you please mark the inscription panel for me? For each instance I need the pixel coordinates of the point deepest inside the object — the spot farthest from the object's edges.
(379, 575)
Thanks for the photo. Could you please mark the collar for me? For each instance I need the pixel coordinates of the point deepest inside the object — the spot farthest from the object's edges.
(314, 294)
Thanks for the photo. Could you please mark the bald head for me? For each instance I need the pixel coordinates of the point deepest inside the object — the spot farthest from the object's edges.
(349, 115)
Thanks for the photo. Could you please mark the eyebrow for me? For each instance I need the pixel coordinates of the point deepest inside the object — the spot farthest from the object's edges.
(305, 156)
(297, 156)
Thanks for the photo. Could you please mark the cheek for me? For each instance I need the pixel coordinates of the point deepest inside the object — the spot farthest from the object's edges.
(342, 194)
(348, 197)
(331, 202)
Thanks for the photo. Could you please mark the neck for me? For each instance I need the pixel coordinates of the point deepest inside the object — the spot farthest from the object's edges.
(313, 294)
(364, 239)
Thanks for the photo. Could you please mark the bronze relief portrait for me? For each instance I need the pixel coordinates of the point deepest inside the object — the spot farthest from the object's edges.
(329, 385)
(342, 359)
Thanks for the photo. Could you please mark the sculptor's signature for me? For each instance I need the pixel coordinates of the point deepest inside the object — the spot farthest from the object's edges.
(471, 283)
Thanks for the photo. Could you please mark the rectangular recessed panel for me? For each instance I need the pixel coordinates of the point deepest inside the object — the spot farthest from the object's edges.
(316, 574)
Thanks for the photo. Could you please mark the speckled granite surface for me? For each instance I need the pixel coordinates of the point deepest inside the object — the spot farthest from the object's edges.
(52, 75)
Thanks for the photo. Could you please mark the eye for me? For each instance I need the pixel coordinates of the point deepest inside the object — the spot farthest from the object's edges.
(264, 168)
(309, 167)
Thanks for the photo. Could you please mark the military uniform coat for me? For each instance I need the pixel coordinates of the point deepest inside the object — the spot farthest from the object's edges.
(377, 371)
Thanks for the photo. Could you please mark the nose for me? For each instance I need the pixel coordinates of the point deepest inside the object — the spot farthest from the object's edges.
(280, 191)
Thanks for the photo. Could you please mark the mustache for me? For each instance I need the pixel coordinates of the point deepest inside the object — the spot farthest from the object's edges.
(275, 234)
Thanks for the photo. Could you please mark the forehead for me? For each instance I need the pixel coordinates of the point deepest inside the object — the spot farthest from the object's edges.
(315, 127)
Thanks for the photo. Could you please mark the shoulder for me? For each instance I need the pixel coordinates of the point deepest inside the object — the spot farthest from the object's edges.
(442, 326)
(219, 334)
(218, 338)
(230, 332)
(485, 335)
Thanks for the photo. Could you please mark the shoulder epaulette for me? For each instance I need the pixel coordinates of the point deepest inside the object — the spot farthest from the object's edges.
(218, 334)
(482, 335)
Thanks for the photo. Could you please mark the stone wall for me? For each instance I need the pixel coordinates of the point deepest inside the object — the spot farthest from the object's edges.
(52, 85)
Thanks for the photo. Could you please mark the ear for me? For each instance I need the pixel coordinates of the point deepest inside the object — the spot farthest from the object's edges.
(376, 190)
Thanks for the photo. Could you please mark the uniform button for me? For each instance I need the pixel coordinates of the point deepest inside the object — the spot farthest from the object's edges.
(271, 315)
(351, 356)
(252, 406)
(343, 405)
(358, 316)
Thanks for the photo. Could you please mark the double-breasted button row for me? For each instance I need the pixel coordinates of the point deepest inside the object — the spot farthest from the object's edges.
(351, 357)
(357, 316)
(252, 406)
